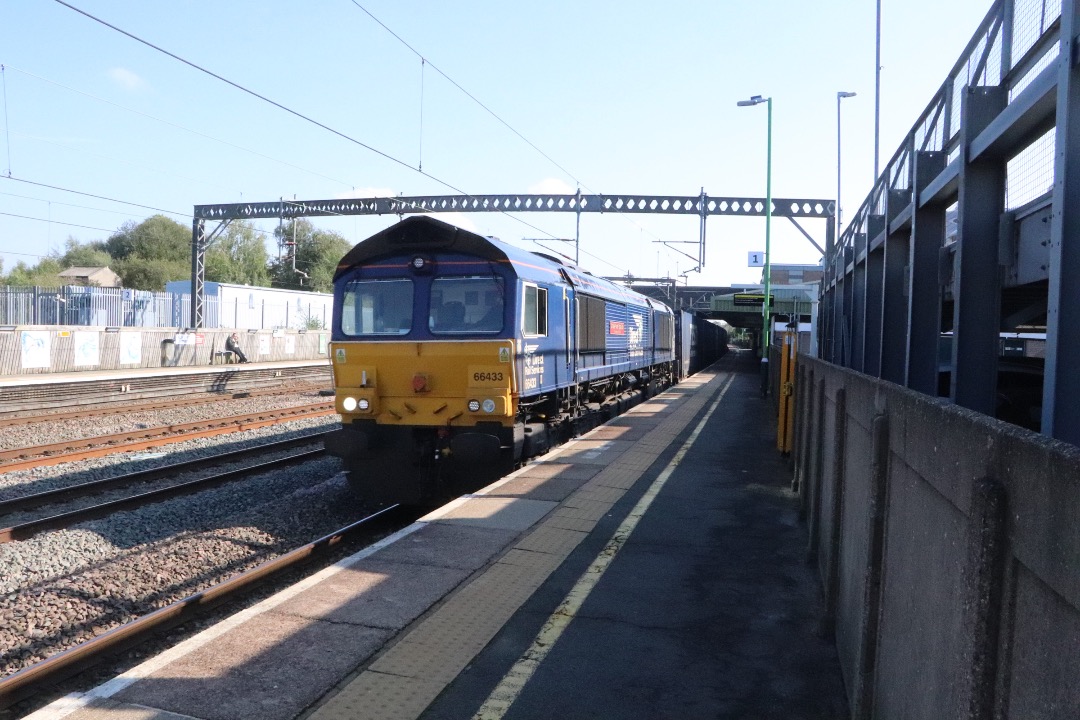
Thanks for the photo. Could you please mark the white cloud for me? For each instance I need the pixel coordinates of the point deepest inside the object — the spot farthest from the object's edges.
(126, 79)
(551, 186)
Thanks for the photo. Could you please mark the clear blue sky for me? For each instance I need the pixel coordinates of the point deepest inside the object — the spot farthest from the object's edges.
(627, 97)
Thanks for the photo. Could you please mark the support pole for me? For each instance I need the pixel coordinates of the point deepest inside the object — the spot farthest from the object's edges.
(577, 229)
(1061, 382)
(198, 271)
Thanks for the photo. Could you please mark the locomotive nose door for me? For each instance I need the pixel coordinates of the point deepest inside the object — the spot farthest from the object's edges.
(567, 326)
(570, 343)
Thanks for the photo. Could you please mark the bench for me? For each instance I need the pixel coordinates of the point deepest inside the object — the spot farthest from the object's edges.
(223, 357)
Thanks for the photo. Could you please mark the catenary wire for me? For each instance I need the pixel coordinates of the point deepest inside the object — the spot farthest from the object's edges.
(180, 127)
(98, 197)
(472, 97)
(74, 205)
(174, 212)
(285, 108)
(305, 117)
(132, 163)
(53, 222)
(425, 60)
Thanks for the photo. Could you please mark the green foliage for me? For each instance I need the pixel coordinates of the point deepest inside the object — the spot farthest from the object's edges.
(150, 253)
(238, 256)
(317, 254)
(156, 237)
(150, 273)
(45, 274)
(313, 322)
(91, 254)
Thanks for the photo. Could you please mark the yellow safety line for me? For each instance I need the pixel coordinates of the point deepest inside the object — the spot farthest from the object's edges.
(510, 687)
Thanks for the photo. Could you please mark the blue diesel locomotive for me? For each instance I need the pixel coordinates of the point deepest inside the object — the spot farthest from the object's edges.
(456, 357)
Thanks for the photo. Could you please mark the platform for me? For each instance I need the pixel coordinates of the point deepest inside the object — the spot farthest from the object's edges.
(653, 568)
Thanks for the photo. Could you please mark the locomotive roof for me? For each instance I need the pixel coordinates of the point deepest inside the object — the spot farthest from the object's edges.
(423, 233)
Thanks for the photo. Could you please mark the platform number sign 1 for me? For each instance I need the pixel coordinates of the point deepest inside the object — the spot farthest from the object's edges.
(755, 258)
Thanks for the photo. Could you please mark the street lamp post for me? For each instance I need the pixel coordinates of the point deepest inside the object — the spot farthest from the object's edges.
(839, 96)
(766, 308)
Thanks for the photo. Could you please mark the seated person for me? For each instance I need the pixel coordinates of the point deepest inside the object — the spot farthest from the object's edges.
(233, 345)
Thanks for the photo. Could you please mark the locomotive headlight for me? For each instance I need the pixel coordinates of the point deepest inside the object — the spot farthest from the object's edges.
(418, 262)
(489, 406)
(474, 406)
(363, 404)
(349, 404)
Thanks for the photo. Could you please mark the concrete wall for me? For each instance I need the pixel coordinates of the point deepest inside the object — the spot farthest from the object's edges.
(42, 349)
(949, 548)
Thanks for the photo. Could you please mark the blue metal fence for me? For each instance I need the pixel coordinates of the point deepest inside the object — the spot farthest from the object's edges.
(94, 306)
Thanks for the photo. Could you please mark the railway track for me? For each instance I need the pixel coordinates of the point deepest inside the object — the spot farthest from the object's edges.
(45, 674)
(32, 397)
(103, 408)
(80, 490)
(142, 439)
(27, 529)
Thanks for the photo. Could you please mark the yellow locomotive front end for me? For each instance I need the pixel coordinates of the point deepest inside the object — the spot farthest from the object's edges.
(451, 385)
(424, 420)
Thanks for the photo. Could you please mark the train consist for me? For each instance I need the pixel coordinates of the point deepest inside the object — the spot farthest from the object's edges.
(456, 357)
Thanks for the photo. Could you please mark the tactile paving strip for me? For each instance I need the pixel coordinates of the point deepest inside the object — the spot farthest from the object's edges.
(404, 680)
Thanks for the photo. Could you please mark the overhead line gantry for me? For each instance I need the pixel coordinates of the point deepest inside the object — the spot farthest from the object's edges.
(701, 205)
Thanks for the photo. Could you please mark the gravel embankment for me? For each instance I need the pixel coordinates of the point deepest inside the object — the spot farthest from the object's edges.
(40, 433)
(61, 588)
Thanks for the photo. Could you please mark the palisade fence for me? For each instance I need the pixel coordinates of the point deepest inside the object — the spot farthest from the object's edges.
(124, 307)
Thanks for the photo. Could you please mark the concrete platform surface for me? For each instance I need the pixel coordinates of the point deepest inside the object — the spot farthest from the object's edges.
(653, 568)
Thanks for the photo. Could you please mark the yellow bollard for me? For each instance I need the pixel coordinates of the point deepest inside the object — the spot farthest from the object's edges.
(781, 420)
(789, 435)
(785, 422)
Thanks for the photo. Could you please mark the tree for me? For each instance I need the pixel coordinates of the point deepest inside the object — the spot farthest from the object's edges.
(45, 274)
(316, 253)
(155, 238)
(91, 254)
(150, 274)
(238, 256)
(150, 253)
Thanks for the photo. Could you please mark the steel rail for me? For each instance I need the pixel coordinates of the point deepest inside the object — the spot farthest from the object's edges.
(73, 492)
(58, 667)
(110, 407)
(69, 451)
(29, 529)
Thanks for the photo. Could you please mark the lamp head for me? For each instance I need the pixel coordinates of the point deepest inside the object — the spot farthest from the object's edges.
(754, 100)
(842, 94)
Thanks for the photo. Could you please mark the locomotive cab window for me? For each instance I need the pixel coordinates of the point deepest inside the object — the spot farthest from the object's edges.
(466, 305)
(377, 307)
(534, 308)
